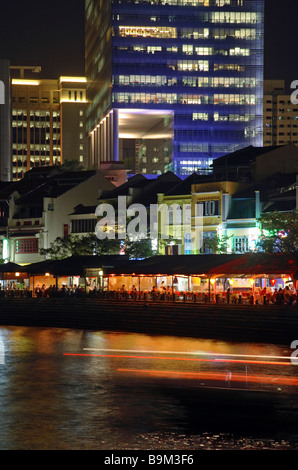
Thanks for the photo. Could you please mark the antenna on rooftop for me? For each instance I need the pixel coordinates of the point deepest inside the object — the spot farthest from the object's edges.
(22, 68)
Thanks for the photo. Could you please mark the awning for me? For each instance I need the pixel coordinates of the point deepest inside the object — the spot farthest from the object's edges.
(74, 265)
(10, 268)
(173, 265)
(207, 265)
(9, 271)
(254, 264)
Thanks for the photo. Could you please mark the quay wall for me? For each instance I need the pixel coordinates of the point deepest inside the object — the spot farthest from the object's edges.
(275, 324)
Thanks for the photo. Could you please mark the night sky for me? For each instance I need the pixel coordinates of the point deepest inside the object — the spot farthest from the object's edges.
(51, 34)
(47, 33)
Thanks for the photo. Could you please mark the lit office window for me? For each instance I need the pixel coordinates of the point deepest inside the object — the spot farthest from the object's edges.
(194, 33)
(200, 116)
(138, 80)
(195, 99)
(193, 147)
(149, 98)
(234, 99)
(230, 67)
(222, 3)
(187, 49)
(241, 117)
(148, 31)
(248, 34)
(190, 3)
(153, 49)
(231, 17)
(204, 50)
(191, 81)
(197, 65)
(228, 82)
(239, 51)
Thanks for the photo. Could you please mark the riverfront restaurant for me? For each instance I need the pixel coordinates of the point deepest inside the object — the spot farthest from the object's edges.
(12, 276)
(83, 272)
(247, 276)
(180, 277)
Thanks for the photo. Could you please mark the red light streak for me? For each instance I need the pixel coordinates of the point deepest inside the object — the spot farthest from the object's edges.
(187, 353)
(218, 360)
(219, 376)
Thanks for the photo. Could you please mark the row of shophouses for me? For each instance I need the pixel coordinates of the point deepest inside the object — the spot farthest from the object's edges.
(49, 203)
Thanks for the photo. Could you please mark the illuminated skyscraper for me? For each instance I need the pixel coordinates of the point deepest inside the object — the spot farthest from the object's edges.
(173, 84)
(48, 122)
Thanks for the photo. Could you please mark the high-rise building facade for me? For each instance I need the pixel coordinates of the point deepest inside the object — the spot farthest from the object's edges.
(280, 114)
(48, 122)
(186, 74)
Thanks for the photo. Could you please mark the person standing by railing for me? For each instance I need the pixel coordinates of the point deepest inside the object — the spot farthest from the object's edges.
(133, 292)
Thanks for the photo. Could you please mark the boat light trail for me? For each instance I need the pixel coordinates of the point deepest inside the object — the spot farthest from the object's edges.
(219, 376)
(190, 353)
(187, 359)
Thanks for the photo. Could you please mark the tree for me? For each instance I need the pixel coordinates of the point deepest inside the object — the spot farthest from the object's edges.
(279, 233)
(72, 245)
(217, 244)
(71, 165)
(139, 248)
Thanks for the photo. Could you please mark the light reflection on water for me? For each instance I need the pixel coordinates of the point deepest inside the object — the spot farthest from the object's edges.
(50, 400)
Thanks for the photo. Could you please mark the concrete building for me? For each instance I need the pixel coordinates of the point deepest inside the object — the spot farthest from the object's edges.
(280, 115)
(256, 163)
(36, 210)
(48, 122)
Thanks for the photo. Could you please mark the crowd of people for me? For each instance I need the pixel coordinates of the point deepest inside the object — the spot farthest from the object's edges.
(279, 296)
(167, 293)
(42, 291)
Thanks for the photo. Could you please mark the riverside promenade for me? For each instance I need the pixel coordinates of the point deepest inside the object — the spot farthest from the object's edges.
(274, 324)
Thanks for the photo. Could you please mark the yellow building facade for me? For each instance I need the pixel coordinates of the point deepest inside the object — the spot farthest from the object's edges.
(198, 221)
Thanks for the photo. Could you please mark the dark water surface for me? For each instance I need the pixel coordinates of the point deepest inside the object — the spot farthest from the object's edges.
(83, 390)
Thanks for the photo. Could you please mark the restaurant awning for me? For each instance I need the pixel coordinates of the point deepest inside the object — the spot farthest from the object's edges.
(256, 264)
(10, 268)
(173, 265)
(74, 265)
(250, 264)
(11, 271)
(207, 265)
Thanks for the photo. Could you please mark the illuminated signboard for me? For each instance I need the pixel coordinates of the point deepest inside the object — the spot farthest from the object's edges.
(5, 249)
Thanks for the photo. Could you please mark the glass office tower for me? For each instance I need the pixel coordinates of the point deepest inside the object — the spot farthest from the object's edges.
(173, 84)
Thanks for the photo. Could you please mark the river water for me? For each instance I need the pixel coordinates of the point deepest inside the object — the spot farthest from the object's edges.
(84, 390)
